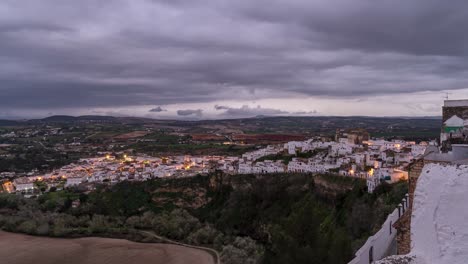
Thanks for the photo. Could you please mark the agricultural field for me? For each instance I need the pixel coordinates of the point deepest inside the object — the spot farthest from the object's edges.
(19, 249)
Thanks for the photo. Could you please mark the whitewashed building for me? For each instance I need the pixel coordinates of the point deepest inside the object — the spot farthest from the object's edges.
(23, 184)
(73, 180)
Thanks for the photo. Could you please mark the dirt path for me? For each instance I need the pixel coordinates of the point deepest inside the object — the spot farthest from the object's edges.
(19, 249)
(216, 256)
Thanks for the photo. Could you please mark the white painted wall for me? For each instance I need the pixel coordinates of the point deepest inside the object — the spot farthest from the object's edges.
(380, 242)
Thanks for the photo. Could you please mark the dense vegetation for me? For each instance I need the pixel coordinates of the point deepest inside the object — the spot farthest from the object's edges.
(284, 218)
(286, 158)
(24, 159)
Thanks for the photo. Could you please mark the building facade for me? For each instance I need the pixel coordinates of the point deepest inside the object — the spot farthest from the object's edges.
(454, 123)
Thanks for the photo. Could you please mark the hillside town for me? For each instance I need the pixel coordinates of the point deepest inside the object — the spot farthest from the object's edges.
(233, 132)
(350, 154)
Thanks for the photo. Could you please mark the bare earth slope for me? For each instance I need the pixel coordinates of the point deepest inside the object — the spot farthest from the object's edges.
(19, 249)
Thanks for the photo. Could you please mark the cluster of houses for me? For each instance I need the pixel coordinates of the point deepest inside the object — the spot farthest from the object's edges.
(109, 169)
(349, 154)
(32, 132)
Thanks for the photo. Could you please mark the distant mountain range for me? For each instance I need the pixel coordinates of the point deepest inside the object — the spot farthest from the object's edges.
(9, 122)
(65, 118)
(76, 119)
(113, 119)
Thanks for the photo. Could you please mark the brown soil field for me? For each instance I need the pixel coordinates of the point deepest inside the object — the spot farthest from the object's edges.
(255, 138)
(207, 137)
(19, 249)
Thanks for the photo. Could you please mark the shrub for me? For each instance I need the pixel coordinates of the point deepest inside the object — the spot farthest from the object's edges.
(203, 236)
(42, 229)
(242, 250)
(177, 224)
(28, 227)
(10, 201)
(98, 224)
(133, 221)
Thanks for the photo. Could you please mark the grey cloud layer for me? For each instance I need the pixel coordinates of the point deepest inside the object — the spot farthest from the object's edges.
(190, 112)
(247, 111)
(157, 110)
(107, 53)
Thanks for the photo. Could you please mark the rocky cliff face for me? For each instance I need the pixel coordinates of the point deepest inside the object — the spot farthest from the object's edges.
(194, 193)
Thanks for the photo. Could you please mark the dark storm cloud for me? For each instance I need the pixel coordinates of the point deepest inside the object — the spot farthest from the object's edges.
(247, 111)
(21, 27)
(221, 107)
(190, 112)
(413, 27)
(157, 110)
(58, 54)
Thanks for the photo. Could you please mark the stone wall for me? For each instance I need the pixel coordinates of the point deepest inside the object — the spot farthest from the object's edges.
(403, 225)
(414, 171)
(449, 111)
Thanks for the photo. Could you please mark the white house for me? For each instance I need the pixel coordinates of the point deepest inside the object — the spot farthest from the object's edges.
(254, 155)
(372, 183)
(23, 184)
(388, 156)
(298, 165)
(269, 166)
(73, 180)
(338, 149)
(292, 146)
(453, 128)
(403, 157)
(418, 150)
(245, 167)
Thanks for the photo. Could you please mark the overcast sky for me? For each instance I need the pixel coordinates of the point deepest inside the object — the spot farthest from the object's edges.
(224, 59)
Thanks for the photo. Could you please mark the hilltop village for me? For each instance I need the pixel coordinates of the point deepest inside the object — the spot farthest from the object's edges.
(350, 154)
